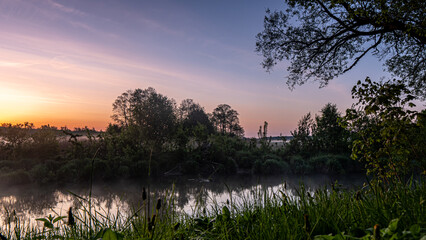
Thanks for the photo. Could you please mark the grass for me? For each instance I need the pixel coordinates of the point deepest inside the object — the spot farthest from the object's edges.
(394, 212)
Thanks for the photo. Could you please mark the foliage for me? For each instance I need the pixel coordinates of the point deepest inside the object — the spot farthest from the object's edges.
(391, 232)
(299, 165)
(192, 147)
(15, 135)
(46, 141)
(328, 135)
(388, 137)
(262, 213)
(302, 143)
(265, 143)
(325, 38)
(150, 113)
(194, 124)
(225, 119)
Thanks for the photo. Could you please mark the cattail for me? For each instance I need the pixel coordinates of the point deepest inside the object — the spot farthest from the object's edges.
(227, 201)
(307, 223)
(143, 194)
(376, 232)
(151, 224)
(158, 204)
(71, 220)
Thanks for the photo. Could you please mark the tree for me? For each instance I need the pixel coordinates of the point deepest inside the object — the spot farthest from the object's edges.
(390, 137)
(194, 124)
(121, 109)
(263, 136)
(15, 135)
(326, 38)
(226, 120)
(187, 106)
(147, 111)
(191, 114)
(301, 143)
(45, 140)
(328, 135)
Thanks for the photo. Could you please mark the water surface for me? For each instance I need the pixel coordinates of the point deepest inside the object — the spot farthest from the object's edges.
(31, 202)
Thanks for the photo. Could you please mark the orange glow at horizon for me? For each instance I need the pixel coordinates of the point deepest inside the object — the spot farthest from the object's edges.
(65, 62)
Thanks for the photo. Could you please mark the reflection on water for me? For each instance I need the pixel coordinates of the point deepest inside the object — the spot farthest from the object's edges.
(30, 203)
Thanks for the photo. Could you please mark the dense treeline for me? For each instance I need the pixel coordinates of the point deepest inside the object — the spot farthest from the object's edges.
(152, 136)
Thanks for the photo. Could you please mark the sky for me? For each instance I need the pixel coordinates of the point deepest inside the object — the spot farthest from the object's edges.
(64, 63)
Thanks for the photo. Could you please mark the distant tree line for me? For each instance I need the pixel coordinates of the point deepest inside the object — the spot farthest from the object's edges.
(152, 136)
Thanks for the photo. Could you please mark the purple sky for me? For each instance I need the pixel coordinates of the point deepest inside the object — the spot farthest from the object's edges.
(65, 62)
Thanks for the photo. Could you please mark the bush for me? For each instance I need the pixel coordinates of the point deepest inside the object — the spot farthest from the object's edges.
(40, 173)
(15, 178)
(257, 166)
(300, 165)
(272, 166)
(245, 159)
(334, 166)
(331, 163)
(68, 172)
(229, 166)
(271, 156)
(319, 163)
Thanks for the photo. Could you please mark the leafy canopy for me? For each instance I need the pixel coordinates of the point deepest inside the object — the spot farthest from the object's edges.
(390, 135)
(225, 119)
(326, 38)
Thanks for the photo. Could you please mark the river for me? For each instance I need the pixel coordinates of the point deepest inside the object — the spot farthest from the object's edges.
(31, 202)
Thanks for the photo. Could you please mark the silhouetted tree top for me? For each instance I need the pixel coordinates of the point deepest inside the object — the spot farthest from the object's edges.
(152, 113)
(226, 120)
(326, 38)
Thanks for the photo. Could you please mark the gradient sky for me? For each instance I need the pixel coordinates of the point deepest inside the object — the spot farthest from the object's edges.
(65, 62)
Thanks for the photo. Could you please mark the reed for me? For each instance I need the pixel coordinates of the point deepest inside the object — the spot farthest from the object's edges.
(371, 212)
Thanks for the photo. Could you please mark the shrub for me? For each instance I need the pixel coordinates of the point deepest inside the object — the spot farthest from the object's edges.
(40, 173)
(319, 163)
(257, 166)
(300, 165)
(271, 156)
(230, 166)
(245, 159)
(15, 178)
(331, 163)
(67, 173)
(272, 166)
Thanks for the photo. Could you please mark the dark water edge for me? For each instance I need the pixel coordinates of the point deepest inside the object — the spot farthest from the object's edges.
(30, 201)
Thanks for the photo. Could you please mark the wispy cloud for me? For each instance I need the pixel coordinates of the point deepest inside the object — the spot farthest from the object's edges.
(14, 64)
(65, 9)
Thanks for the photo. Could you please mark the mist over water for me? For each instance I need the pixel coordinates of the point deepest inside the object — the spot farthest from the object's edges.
(31, 202)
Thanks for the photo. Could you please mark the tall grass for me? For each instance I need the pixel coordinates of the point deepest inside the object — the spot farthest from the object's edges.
(327, 213)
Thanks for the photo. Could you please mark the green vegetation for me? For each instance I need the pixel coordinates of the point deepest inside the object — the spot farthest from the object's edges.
(152, 137)
(372, 212)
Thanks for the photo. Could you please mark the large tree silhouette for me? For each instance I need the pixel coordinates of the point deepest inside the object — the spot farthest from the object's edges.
(326, 38)
(226, 120)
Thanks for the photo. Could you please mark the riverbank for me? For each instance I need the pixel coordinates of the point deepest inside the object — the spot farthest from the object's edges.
(397, 211)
